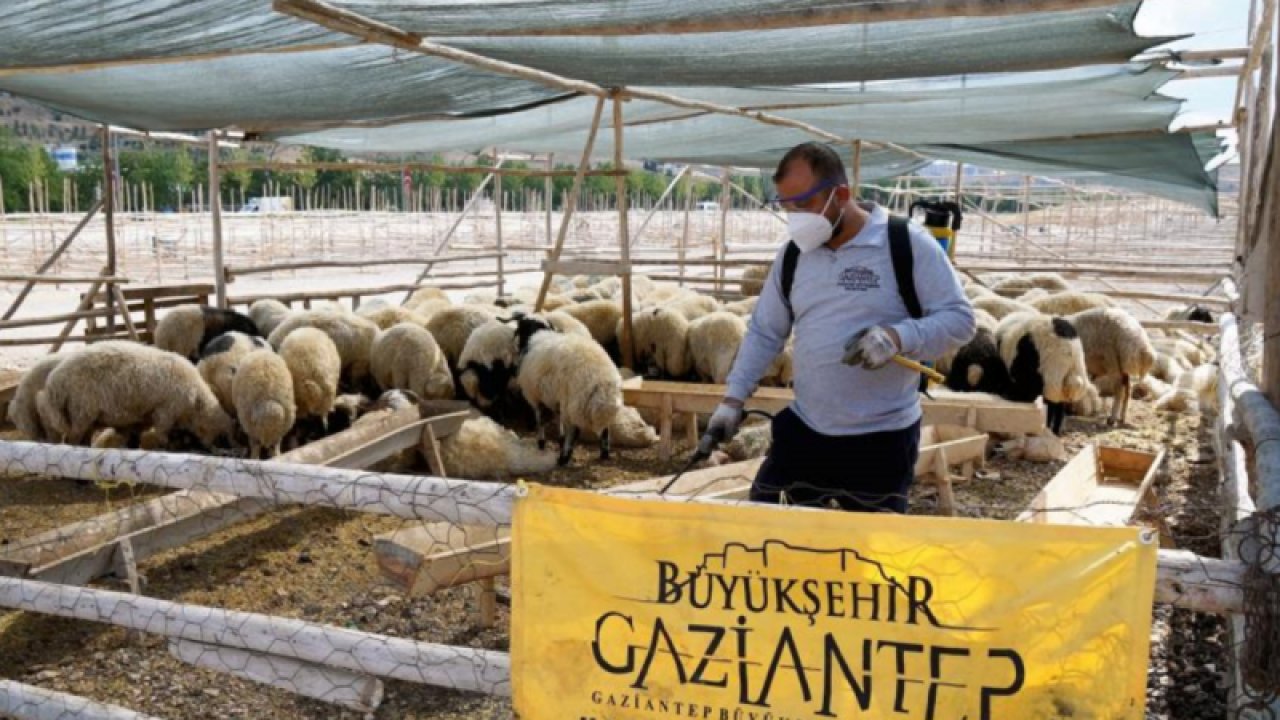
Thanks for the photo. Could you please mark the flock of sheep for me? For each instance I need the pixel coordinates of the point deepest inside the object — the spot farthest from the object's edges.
(282, 377)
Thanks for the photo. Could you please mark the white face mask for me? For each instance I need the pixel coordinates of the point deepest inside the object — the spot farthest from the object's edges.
(810, 231)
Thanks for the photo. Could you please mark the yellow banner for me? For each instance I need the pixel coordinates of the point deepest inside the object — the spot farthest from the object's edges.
(639, 609)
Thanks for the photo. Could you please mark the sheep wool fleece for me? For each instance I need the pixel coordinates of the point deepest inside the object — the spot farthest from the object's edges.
(835, 294)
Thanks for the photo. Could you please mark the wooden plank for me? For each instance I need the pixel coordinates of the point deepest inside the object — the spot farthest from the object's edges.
(586, 267)
(340, 687)
(1088, 491)
(958, 451)
(422, 559)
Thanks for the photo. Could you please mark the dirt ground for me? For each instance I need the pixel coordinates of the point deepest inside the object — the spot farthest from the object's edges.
(317, 564)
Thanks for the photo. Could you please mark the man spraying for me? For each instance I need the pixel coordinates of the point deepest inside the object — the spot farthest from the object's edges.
(852, 435)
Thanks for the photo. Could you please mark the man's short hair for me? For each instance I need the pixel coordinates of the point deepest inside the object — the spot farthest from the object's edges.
(822, 160)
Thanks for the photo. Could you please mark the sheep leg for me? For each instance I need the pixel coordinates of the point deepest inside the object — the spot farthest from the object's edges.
(1054, 417)
(604, 444)
(1126, 389)
(542, 430)
(566, 448)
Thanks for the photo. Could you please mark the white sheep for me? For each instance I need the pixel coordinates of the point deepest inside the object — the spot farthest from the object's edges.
(693, 306)
(1198, 387)
(713, 344)
(482, 449)
(263, 396)
(129, 387)
(661, 340)
(219, 359)
(781, 372)
(628, 430)
(186, 329)
(267, 314)
(315, 366)
(388, 316)
(742, 308)
(23, 412)
(1070, 302)
(601, 318)
(574, 378)
(452, 326)
(1044, 357)
(1000, 308)
(973, 291)
(425, 294)
(753, 277)
(351, 334)
(1012, 287)
(407, 357)
(1188, 354)
(566, 323)
(1115, 345)
(426, 309)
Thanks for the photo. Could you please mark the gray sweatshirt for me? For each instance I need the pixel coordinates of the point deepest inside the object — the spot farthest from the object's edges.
(834, 294)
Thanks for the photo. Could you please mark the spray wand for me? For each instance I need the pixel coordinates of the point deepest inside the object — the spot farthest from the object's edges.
(710, 439)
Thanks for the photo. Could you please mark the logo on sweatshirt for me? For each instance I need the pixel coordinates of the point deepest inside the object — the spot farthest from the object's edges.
(857, 277)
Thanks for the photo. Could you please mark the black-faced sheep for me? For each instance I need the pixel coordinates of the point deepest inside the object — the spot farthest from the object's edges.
(1190, 313)
(219, 359)
(23, 412)
(488, 363)
(1115, 345)
(1070, 303)
(129, 387)
(713, 344)
(351, 334)
(978, 367)
(315, 366)
(186, 329)
(574, 378)
(263, 396)
(1045, 358)
(406, 357)
(267, 315)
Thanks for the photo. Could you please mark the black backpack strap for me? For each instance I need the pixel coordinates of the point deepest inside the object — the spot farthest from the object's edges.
(790, 257)
(904, 264)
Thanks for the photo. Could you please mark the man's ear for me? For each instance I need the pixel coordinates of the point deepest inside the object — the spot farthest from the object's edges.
(843, 194)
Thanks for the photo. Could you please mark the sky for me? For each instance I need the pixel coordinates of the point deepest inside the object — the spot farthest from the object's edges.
(1217, 24)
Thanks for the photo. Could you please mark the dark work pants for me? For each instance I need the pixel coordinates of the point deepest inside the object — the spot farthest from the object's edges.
(861, 473)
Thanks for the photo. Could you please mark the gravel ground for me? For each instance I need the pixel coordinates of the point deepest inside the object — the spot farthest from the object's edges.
(316, 564)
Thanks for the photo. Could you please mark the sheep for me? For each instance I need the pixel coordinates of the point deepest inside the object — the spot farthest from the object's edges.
(628, 430)
(1149, 388)
(1012, 287)
(487, 364)
(580, 282)
(978, 367)
(713, 344)
(609, 288)
(693, 306)
(753, 277)
(573, 377)
(452, 326)
(601, 318)
(1115, 345)
(1089, 404)
(664, 293)
(1033, 294)
(427, 309)
(371, 411)
(555, 302)
(1198, 386)
(315, 366)
(263, 396)
(1070, 302)
(1188, 354)
(425, 294)
(219, 359)
(1190, 313)
(127, 386)
(389, 316)
(267, 314)
(351, 334)
(983, 321)
(482, 449)
(1045, 357)
(781, 372)
(973, 291)
(1167, 367)
(741, 308)
(661, 340)
(406, 357)
(23, 412)
(566, 323)
(483, 297)
(186, 329)
(999, 307)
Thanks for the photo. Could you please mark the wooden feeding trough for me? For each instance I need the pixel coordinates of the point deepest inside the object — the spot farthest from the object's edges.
(978, 412)
(1101, 486)
(944, 446)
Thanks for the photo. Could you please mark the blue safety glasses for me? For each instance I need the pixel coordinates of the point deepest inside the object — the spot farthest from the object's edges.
(793, 202)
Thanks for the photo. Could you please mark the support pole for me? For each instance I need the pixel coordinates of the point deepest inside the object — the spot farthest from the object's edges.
(684, 236)
(857, 168)
(548, 192)
(658, 205)
(109, 193)
(624, 237)
(570, 203)
(726, 196)
(215, 191)
(497, 221)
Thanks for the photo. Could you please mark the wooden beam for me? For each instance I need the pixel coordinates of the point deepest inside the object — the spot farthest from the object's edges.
(215, 192)
(624, 239)
(63, 279)
(839, 13)
(571, 202)
(232, 272)
(28, 702)
(355, 166)
(587, 267)
(483, 671)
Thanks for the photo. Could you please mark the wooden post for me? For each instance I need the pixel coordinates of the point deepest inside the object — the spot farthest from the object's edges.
(570, 202)
(497, 221)
(1026, 214)
(725, 197)
(215, 185)
(1268, 237)
(658, 205)
(108, 197)
(684, 236)
(624, 237)
(856, 170)
(548, 194)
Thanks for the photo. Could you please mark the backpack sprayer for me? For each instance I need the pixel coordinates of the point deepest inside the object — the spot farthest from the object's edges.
(942, 219)
(706, 445)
